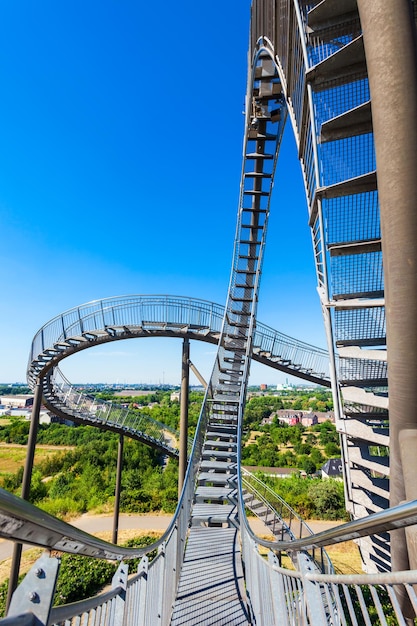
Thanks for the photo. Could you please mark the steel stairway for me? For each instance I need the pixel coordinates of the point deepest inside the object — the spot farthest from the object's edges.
(214, 518)
(211, 588)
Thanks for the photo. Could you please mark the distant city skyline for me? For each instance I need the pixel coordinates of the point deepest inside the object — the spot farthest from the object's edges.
(120, 170)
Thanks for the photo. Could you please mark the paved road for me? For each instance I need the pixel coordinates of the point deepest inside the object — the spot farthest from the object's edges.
(100, 523)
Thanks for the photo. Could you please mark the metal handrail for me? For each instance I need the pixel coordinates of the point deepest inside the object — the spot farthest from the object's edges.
(200, 318)
(262, 488)
(67, 611)
(87, 408)
(393, 518)
(268, 497)
(23, 522)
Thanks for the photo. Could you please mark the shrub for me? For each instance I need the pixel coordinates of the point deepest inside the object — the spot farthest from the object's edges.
(64, 507)
(328, 498)
(332, 449)
(81, 577)
(309, 467)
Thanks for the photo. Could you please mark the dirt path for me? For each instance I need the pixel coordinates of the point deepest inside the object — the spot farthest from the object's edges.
(95, 524)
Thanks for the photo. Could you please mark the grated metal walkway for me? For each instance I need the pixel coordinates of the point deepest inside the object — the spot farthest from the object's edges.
(211, 589)
(211, 586)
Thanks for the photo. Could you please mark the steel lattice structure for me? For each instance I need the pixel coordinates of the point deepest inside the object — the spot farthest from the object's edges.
(319, 54)
(323, 64)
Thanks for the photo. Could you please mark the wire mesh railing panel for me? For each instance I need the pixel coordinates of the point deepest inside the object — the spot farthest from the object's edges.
(347, 158)
(357, 274)
(88, 408)
(330, 103)
(352, 218)
(366, 324)
(363, 370)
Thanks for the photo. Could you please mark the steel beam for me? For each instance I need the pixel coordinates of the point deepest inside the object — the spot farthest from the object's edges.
(185, 379)
(27, 477)
(200, 378)
(117, 490)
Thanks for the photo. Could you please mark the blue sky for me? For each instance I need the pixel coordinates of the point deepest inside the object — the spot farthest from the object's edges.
(120, 161)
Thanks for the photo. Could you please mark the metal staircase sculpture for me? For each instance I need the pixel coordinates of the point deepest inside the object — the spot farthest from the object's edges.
(307, 59)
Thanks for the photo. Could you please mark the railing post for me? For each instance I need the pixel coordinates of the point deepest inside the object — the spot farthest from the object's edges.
(119, 602)
(27, 477)
(278, 595)
(142, 596)
(161, 595)
(64, 330)
(311, 591)
(102, 313)
(80, 320)
(42, 339)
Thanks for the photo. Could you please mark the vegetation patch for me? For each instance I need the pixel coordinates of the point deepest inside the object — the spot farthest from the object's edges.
(81, 477)
(311, 498)
(13, 456)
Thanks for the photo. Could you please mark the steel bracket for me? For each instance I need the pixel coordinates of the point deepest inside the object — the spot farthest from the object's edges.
(35, 593)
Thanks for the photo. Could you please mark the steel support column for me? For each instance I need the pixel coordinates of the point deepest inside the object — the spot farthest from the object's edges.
(118, 489)
(27, 477)
(390, 47)
(185, 378)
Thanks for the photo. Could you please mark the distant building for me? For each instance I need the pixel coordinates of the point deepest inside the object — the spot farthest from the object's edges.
(309, 419)
(289, 417)
(284, 387)
(306, 418)
(332, 469)
(45, 417)
(26, 413)
(17, 402)
(263, 387)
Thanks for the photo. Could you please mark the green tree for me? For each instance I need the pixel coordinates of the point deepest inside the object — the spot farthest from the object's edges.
(328, 433)
(317, 457)
(309, 467)
(332, 450)
(328, 498)
(38, 489)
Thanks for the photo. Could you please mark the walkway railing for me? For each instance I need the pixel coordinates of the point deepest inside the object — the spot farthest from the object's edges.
(308, 597)
(134, 316)
(66, 400)
(272, 588)
(279, 518)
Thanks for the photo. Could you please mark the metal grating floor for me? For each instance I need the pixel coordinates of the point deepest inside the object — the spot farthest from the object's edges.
(211, 589)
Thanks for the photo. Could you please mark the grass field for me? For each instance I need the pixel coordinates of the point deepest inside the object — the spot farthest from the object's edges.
(12, 456)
